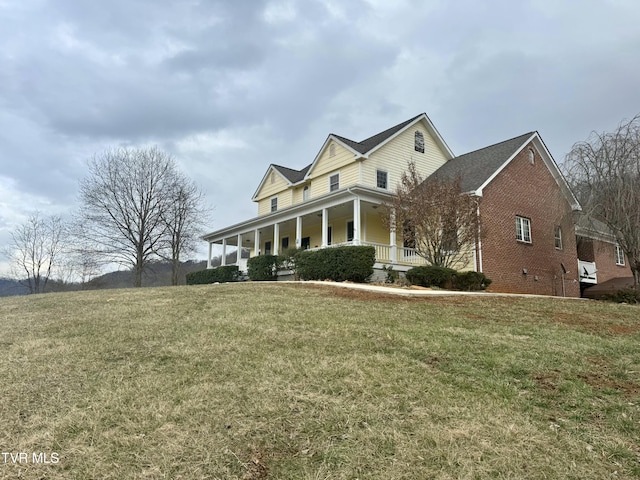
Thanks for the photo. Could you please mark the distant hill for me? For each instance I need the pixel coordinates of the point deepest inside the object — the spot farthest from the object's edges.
(157, 274)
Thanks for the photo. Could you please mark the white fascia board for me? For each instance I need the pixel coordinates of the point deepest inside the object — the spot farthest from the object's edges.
(430, 128)
(310, 206)
(548, 161)
(330, 138)
(264, 179)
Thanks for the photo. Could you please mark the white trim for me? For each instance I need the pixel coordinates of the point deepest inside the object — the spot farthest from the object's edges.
(548, 161)
(523, 221)
(331, 175)
(619, 253)
(264, 179)
(275, 197)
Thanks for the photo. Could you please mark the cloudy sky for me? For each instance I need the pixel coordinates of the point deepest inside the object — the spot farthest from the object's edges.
(228, 87)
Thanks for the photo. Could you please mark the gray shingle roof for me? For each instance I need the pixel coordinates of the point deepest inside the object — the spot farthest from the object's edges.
(476, 167)
(294, 176)
(369, 143)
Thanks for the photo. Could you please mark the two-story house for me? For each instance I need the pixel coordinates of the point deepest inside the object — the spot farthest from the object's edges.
(528, 238)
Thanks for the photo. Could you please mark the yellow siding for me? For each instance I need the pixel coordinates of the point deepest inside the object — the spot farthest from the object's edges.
(326, 163)
(269, 189)
(374, 229)
(395, 156)
(349, 176)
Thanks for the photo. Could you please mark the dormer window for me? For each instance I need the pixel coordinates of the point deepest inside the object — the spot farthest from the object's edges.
(274, 204)
(419, 141)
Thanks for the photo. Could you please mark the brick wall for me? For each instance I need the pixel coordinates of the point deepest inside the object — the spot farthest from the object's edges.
(604, 255)
(528, 190)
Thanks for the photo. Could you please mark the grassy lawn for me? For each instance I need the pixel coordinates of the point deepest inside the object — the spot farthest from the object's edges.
(257, 381)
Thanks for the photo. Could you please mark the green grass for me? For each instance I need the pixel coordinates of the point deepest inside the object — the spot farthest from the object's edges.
(256, 381)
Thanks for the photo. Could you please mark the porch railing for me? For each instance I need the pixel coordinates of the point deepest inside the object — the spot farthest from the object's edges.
(404, 255)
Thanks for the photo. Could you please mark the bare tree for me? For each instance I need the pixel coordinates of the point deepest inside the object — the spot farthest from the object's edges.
(35, 251)
(435, 217)
(183, 220)
(124, 197)
(604, 171)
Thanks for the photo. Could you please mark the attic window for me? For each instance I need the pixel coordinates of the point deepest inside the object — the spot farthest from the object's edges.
(532, 156)
(273, 177)
(332, 150)
(419, 141)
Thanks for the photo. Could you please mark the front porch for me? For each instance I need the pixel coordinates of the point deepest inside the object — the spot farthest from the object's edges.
(348, 217)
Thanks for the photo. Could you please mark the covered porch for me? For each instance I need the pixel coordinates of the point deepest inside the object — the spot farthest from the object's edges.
(347, 217)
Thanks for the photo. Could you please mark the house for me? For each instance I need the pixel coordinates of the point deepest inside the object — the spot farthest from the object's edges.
(528, 241)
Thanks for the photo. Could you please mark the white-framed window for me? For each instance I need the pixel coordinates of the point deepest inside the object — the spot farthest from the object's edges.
(418, 141)
(305, 193)
(523, 229)
(619, 255)
(532, 156)
(274, 204)
(382, 179)
(557, 235)
(334, 182)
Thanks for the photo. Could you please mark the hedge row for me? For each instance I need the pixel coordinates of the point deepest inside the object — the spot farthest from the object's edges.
(263, 268)
(442, 277)
(348, 263)
(228, 273)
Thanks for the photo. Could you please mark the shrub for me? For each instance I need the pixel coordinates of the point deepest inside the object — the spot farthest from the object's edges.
(625, 295)
(431, 276)
(263, 268)
(470, 281)
(348, 263)
(227, 273)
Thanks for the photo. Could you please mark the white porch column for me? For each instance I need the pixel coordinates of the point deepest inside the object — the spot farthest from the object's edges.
(356, 221)
(298, 232)
(256, 242)
(209, 257)
(392, 238)
(223, 259)
(276, 238)
(239, 255)
(325, 227)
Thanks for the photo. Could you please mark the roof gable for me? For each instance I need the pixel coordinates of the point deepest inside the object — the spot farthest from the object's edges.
(478, 168)
(276, 169)
(367, 146)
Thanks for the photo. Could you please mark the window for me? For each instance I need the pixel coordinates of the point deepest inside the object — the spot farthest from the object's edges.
(350, 231)
(306, 243)
(332, 150)
(329, 235)
(523, 229)
(419, 141)
(305, 193)
(334, 182)
(267, 248)
(450, 238)
(274, 204)
(557, 234)
(285, 243)
(619, 255)
(381, 179)
(532, 156)
(273, 177)
(408, 235)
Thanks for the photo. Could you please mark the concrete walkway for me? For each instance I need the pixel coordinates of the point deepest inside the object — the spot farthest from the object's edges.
(420, 292)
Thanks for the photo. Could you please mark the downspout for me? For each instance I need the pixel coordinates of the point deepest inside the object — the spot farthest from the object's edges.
(479, 237)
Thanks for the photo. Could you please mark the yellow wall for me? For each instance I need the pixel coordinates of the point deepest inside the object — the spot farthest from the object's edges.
(395, 156)
(349, 175)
